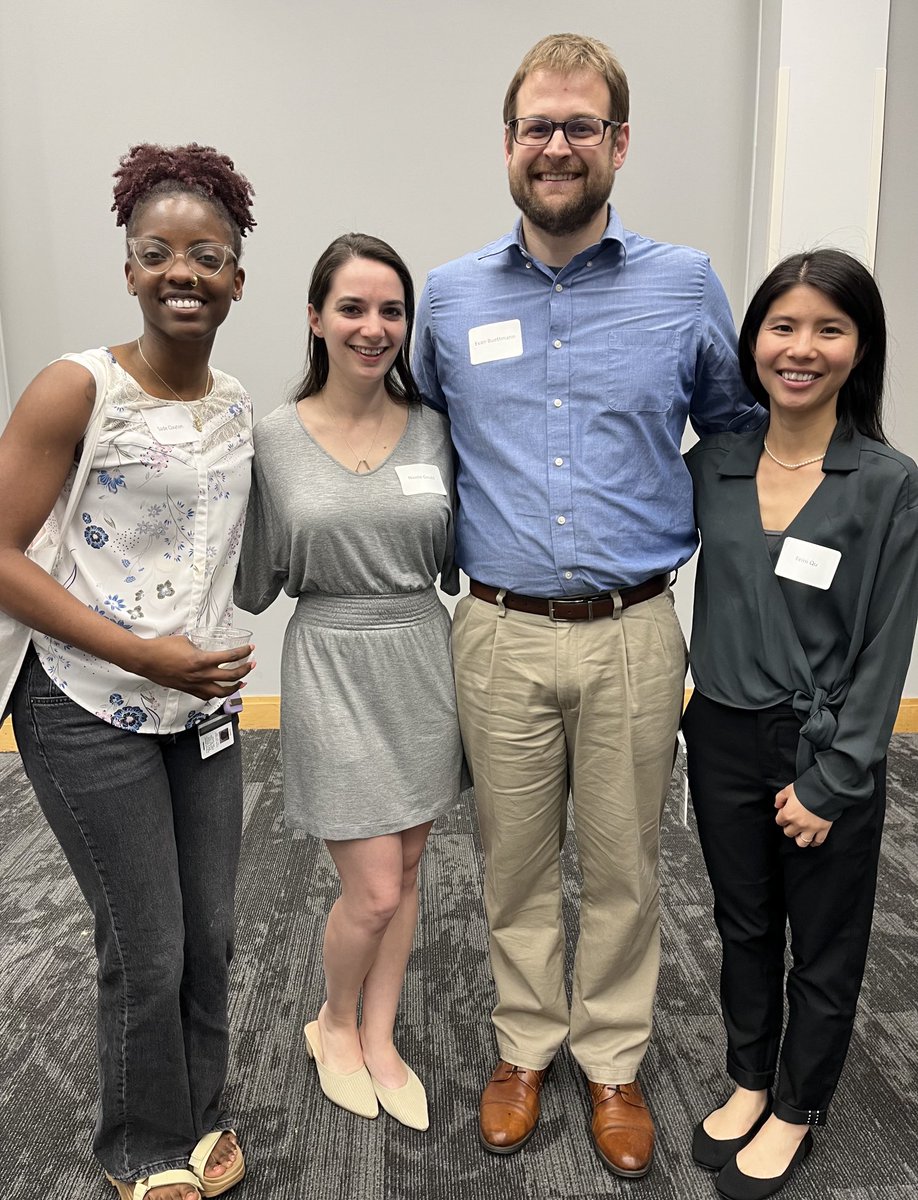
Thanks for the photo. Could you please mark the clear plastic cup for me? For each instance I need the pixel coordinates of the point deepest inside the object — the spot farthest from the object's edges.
(219, 638)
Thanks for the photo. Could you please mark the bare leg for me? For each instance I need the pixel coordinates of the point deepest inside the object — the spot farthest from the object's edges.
(370, 870)
(383, 984)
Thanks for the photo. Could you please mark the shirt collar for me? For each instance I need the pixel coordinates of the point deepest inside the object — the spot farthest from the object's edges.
(613, 232)
(842, 453)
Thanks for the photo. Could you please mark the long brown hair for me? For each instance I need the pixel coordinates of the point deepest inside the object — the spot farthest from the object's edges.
(399, 381)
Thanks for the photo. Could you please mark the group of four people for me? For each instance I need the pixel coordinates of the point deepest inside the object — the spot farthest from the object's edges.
(557, 366)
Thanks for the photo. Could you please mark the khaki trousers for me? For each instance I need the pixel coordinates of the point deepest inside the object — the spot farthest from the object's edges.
(591, 708)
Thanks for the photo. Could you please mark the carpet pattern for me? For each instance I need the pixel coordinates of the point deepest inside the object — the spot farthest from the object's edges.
(300, 1146)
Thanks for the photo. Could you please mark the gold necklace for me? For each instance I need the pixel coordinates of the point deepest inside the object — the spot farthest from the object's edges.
(792, 466)
(361, 458)
(195, 416)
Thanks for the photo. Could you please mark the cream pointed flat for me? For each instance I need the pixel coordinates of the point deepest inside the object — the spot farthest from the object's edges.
(407, 1104)
(353, 1091)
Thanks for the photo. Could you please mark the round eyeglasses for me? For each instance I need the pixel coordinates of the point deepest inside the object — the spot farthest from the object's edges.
(205, 259)
(578, 131)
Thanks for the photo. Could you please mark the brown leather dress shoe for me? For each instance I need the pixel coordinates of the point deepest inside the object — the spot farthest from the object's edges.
(622, 1128)
(509, 1108)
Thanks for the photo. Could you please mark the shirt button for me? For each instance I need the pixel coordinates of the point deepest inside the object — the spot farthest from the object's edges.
(528, 266)
(568, 574)
(556, 403)
(557, 345)
(590, 263)
(562, 520)
(559, 462)
(559, 287)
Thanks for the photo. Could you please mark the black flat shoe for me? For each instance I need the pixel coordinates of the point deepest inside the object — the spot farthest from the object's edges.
(734, 1185)
(713, 1154)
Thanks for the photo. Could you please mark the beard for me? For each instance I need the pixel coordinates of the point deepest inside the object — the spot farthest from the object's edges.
(553, 216)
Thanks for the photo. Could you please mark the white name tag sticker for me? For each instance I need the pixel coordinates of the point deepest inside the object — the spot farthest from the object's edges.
(805, 562)
(502, 339)
(171, 425)
(420, 477)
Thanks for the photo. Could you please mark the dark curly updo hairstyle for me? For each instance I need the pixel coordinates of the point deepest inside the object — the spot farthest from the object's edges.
(848, 284)
(148, 171)
(400, 383)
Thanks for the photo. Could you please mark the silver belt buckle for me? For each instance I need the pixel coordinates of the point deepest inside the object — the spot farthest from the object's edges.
(573, 600)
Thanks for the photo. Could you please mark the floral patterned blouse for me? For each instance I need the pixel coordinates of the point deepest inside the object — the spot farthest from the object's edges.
(154, 543)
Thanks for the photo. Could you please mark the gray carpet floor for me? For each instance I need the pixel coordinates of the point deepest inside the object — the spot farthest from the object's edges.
(300, 1146)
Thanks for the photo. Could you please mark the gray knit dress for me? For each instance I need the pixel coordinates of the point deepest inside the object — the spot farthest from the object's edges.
(369, 734)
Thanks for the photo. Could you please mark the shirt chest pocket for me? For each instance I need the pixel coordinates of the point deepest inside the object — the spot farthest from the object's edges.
(643, 367)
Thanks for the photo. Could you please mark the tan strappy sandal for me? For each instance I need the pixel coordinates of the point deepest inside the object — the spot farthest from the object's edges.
(137, 1191)
(216, 1185)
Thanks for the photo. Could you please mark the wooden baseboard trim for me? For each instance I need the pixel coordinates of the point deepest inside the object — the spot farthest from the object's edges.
(907, 720)
(263, 712)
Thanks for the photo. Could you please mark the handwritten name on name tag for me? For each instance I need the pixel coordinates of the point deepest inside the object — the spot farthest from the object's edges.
(420, 477)
(806, 562)
(502, 339)
(171, 425)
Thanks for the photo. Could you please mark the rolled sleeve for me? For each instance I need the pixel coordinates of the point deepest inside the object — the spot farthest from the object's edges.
(721, 402)
(424, 358)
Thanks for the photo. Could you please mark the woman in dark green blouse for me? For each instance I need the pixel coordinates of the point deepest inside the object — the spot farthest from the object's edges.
(805, 609)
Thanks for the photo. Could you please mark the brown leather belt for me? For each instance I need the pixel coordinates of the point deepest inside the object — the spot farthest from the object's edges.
(574, 608)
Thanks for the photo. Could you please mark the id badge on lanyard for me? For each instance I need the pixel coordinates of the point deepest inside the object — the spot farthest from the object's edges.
(215, 734)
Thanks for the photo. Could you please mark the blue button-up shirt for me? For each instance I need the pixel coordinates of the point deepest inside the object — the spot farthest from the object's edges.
(567, 416)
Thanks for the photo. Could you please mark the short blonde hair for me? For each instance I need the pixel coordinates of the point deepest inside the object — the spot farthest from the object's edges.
(566, 53)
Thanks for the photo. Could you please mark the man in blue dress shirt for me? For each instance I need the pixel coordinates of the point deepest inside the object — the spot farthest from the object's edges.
(568, 356)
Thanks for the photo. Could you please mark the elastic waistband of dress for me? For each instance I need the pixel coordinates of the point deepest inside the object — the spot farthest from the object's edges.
(367, 612)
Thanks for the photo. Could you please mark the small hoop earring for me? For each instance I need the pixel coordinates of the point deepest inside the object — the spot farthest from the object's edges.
(131, 292)
(237, 297)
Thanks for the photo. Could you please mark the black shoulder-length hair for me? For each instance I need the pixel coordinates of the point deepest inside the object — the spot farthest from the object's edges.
(399, 381)
(849, 285)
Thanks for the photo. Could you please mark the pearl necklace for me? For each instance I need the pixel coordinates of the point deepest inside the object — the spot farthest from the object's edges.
(195, 416)
(792, 466)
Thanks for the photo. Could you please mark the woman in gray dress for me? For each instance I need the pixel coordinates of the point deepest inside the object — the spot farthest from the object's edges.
(351, 511)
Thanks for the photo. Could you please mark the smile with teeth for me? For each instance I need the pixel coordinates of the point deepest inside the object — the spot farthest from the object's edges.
(557, 176)
(799, 376)
(369, 351)
(183, 302)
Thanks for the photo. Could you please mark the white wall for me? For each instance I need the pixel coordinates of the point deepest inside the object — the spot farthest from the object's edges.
(376, 116)
(831, 125)
(384, 117)
(897, 245)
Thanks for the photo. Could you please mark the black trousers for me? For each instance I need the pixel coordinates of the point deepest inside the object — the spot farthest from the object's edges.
(738, 760)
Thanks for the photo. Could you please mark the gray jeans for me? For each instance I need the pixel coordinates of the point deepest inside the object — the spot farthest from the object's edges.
(151, 832)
